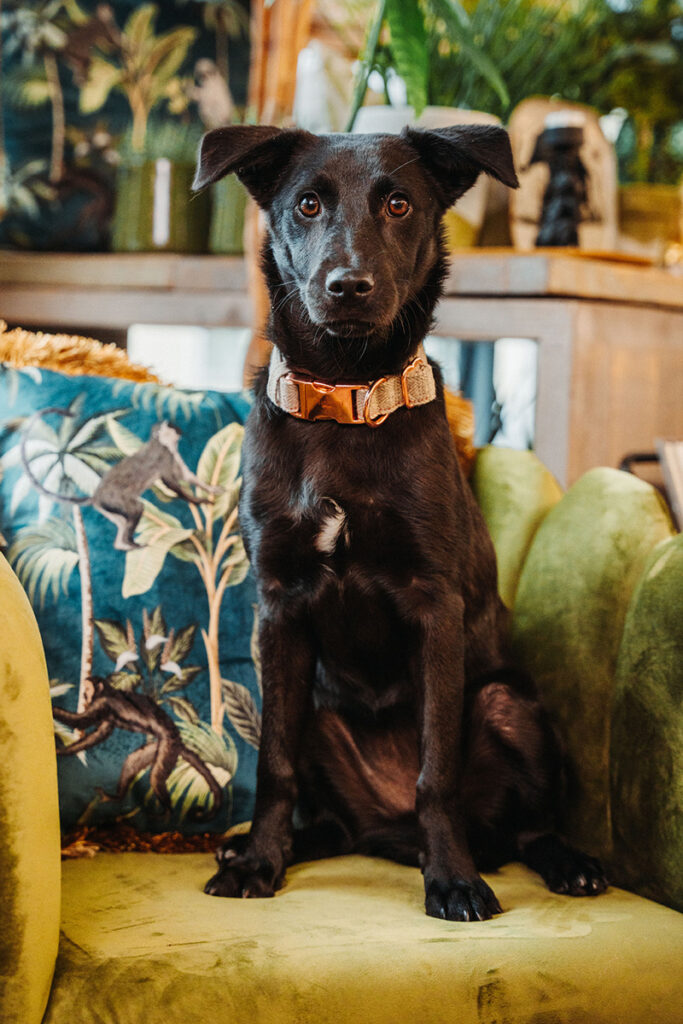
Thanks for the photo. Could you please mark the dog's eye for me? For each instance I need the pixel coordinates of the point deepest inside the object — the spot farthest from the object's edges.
(309, 205)
(398, 205)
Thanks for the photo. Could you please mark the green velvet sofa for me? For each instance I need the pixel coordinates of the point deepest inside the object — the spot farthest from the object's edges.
(595, 580)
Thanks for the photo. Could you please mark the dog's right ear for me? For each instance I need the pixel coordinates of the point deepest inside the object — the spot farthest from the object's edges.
(257, 154)
(457, 155)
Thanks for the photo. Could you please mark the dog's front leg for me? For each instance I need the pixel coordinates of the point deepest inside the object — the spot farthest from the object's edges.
(288, 662)
(454, 889)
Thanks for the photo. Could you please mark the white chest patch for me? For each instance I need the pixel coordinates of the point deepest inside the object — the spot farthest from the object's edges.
(331, 527)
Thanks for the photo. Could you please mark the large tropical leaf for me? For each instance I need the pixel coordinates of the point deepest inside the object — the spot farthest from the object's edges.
(181, 643)
(236, 565)
(256, 650)
(34, 91)
(125, 440)
(43, 556)
(187, 788)
(85, 478)
(158, 532)
(165, 58)
(219, 464)
(144, 564)
(154, 634)
(242, 711)
(84, 432)
(459, 30)
(102, 78)
(184, 709)
(175, 683)
(409, 49)
(126, 681)
(139, 29)
(114, 639)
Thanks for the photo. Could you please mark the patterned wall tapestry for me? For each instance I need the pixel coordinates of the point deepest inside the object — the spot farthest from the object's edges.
(88, 87)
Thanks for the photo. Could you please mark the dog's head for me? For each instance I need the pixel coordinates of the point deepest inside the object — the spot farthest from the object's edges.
(354, 219)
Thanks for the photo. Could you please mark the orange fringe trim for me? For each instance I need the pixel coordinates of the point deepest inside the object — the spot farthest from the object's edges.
(122, 837)
(69, 353)
(460, 416)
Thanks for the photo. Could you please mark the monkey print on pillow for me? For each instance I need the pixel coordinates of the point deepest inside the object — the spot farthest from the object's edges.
(118, 512)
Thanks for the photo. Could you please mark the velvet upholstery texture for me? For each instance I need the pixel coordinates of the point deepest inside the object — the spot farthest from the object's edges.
(571, 604)
(515, 492)
(647, 733)
(29, 819)
(347, 940)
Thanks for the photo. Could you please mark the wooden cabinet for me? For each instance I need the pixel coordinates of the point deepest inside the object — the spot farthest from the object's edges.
(610, 335)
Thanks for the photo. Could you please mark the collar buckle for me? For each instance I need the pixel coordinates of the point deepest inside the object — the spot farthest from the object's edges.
(344, 403)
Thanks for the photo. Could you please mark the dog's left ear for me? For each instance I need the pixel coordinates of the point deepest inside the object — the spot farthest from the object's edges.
(457, 155)
(258, 155)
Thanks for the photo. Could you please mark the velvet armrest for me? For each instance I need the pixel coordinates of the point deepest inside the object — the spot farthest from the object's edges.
(30, 868)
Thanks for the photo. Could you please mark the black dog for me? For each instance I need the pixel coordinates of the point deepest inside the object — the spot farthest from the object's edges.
(392, 716)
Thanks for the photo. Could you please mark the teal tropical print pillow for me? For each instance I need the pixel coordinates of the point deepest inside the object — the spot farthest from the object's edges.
(118, 512)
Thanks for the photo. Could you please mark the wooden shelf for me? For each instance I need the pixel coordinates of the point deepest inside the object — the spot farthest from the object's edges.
(609, 333)
(115, 290)
(557, 273)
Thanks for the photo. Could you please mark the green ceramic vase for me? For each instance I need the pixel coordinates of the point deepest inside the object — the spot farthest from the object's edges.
(227, 216)
(156, 211)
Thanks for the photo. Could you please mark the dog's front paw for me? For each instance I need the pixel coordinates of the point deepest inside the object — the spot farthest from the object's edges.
(576, 874)
(242, 876)
(563, 868)
(461, 900)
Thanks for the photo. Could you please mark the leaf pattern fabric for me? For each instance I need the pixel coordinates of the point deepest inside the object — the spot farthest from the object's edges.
(169, 740)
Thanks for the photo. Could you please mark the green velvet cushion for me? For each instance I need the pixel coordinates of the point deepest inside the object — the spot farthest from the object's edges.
(646, 755)
(347, 940)
(29, 820)
(515, 493)
(571, 603)
(168, 625)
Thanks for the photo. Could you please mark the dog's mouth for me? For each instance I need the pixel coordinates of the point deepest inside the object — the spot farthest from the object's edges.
(349, 328)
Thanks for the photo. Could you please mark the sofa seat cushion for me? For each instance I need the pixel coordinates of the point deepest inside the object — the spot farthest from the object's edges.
(348, 940)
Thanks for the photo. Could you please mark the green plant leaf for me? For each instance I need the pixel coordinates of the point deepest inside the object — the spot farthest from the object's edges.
(34, 92)
(102, 78)
(126, 681)
(460, 30)
(242, 711)
(367, 60)
(144, 564)
(139, 28)
(173, 684)
(219, 464)
(236, 563)
(125, 440)
(255, 649)
(182, 643)
(166, 54)
(409, 49)
(184, 709)
(113, 638)
(44, 556)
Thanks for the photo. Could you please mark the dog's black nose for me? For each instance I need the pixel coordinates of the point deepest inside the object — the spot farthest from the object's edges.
(349, 284)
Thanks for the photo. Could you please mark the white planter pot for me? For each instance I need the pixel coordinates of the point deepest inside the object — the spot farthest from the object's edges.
(462, 224)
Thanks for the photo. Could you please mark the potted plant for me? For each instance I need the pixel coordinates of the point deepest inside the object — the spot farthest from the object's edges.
(153, 208)
(400, 45)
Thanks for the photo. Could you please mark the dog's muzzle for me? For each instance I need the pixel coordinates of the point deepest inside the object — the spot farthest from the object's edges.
(368, 403)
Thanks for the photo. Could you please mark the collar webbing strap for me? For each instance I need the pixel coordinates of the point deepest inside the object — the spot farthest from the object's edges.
(370, 403)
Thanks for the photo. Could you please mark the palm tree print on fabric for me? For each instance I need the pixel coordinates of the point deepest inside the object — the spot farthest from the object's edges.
(65, 461)
(62, 456)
